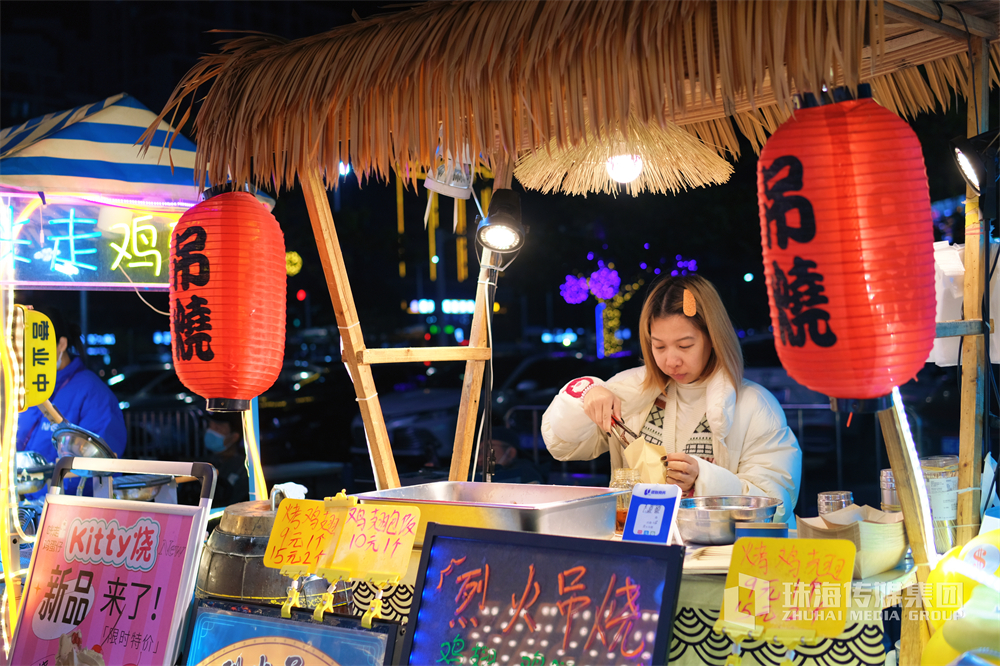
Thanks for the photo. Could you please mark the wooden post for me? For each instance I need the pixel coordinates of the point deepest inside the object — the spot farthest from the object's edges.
(970, 459)
(383, 464)
(465, 432)
(915, 503)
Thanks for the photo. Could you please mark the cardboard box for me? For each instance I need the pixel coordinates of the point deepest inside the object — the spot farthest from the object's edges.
(878, 536)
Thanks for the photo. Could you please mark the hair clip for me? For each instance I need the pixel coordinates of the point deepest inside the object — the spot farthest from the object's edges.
(690, 307)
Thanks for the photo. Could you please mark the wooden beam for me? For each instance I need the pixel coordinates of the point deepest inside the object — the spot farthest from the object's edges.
(913, 18)
(961, 327)
(915, 503)
(421, 354)
(943, 14)
(970, 434)
(468, 410)
(383, 464)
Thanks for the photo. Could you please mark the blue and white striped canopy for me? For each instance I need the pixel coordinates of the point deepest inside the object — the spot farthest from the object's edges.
(91, 150)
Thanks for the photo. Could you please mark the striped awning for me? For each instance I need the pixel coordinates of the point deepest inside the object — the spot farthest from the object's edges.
(90, 150)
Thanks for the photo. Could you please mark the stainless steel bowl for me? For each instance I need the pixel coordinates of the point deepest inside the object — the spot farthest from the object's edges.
(712, 520)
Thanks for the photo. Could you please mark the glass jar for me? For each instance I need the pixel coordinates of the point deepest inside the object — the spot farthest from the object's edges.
(623, 479)
(890, 500)
(834, 500)
(941, 477)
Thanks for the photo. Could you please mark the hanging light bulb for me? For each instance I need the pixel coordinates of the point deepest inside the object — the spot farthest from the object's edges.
(624, 168)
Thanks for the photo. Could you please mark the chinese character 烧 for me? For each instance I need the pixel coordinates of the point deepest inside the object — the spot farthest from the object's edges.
(796, 302)
(192, 324)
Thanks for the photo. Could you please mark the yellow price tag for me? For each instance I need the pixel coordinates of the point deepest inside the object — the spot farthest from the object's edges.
(788, 588)
(302, 530)
(36, 350)
(375, 544)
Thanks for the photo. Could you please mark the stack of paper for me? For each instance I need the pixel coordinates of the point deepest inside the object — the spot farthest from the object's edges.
(878, 537)
(708, 560)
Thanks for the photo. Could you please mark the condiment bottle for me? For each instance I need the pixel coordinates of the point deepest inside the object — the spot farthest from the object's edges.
(834, 500)
(941, 478)
(623, 479)
(890, 500)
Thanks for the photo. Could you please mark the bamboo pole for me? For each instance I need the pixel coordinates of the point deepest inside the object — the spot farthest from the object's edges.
(465, 432)
(970, 452)
(383, 464)
(915, 503)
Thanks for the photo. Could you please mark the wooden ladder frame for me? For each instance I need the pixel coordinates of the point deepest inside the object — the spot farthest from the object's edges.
(359, 359)
(902, 455)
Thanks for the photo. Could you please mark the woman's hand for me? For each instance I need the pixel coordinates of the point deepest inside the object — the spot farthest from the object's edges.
(681, 470)
(599, 404)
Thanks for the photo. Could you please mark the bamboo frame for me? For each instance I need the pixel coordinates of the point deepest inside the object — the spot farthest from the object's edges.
(973, 347)
(383, 463)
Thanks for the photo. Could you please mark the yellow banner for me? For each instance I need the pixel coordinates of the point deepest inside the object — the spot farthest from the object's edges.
(375, 544)
(302, 530)
(789, 588)
(37, 356)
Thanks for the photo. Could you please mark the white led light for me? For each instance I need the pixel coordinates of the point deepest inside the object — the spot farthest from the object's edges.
(624, 168)
(499, 238)
(967, 169)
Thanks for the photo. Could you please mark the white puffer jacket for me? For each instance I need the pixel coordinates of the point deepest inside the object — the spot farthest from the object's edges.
(755, 451)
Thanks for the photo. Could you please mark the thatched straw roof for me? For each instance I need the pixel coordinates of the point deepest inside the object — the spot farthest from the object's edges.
(510, 77)
(672, 160)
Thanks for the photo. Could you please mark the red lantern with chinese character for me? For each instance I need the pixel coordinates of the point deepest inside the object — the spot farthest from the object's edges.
(227, 300)
(845, 222)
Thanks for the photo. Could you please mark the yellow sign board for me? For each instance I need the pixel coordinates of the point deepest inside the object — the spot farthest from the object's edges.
(302, 530)
(36, 350)
(375, 544)
(790, 589)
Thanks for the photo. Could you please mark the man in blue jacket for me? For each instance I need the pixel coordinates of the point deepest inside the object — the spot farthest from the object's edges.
(79, 395)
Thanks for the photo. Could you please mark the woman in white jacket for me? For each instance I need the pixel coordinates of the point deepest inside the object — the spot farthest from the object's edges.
(701, 425)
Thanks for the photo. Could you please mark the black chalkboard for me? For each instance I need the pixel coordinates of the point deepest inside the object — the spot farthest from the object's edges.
(523, 599)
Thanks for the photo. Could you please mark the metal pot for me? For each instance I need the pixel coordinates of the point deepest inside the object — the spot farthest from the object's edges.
(712, 520)
(33, 471)
(232, 562)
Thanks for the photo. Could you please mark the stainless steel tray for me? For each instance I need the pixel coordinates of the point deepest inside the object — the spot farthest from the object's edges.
(580, 511)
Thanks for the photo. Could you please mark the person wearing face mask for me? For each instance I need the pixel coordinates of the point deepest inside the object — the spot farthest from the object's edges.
(700, 424)
(224, 444)
(80, 396)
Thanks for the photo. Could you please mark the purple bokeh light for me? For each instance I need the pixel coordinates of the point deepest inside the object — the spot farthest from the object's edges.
(574, 290)
(604, 282)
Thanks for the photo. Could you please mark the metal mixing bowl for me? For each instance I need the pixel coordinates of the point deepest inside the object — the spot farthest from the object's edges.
(712, 520)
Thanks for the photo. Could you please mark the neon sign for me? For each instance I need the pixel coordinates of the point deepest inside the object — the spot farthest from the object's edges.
(75, 244)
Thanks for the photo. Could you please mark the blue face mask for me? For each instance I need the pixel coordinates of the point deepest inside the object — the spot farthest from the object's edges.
(214, 442)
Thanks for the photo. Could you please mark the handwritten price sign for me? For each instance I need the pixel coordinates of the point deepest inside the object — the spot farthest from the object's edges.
(302, 530)
(375, 544)
(797, 585)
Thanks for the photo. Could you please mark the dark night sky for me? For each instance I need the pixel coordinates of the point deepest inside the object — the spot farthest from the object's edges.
(56, 55)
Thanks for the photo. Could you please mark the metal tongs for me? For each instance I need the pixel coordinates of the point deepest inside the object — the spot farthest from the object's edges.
(619, 430)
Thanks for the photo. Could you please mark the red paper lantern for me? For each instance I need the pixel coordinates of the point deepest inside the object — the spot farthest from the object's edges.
(845, 222)
(227, 300)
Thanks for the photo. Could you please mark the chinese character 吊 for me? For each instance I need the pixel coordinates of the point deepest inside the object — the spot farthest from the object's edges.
(780, 204)
(190, 244)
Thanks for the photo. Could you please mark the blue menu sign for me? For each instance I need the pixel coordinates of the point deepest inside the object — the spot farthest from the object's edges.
(493, 597)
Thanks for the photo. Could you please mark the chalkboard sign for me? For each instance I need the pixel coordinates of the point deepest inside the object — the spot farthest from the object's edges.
(525, 599)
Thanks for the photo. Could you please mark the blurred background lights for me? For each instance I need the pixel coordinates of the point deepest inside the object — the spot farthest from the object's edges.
(293, 263)
(748, 277)
(345, 168)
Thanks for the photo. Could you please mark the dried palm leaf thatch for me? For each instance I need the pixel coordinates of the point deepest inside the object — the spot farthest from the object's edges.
(505, 77)
(672, 160)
